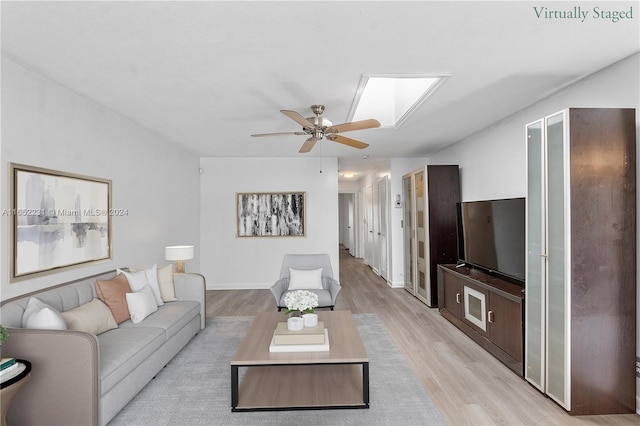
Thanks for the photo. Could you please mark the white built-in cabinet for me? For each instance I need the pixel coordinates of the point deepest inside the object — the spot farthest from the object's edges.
(580, 326)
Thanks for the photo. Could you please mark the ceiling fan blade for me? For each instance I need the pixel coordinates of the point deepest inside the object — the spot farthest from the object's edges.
(276, 134)
(354, 125)
(308, 144)
(298, 118)
(347, 141)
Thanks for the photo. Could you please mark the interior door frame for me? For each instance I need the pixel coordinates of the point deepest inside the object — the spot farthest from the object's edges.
(354, 214)
(383, 227)
(368, 225)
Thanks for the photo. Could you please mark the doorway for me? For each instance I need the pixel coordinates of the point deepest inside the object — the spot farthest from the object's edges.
(347, 222)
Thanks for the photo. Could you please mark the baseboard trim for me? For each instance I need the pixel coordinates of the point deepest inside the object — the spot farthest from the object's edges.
(395, 284)
(239, 286)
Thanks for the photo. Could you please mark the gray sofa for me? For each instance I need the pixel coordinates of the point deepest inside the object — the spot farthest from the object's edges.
(82, 379)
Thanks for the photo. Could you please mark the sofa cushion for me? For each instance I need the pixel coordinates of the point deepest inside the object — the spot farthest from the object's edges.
(305, 279)
(152, 280)
(124, 349)
(141, 304)
(38, 314)
(112, 292)
(93, 317)
(171, 317)
(136, 279)
(165, 281)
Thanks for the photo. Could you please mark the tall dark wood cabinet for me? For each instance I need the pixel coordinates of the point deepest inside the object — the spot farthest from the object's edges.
(580, 315)
(430, 195)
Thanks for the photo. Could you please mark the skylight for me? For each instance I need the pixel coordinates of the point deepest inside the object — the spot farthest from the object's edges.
(391, 99)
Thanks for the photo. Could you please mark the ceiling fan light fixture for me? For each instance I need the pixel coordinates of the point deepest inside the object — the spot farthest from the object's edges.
(320, 128)
(392, 98)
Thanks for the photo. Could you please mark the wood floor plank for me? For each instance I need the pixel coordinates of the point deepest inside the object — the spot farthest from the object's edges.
(466, 383)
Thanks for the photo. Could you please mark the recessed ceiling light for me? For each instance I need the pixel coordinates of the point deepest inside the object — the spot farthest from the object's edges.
(391, 98)
(349, 174)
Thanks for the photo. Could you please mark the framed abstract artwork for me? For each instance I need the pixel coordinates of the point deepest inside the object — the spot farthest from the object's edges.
(58, 220)
(270, 214)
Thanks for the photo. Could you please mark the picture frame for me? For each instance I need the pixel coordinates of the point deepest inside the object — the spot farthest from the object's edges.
(270, 214)
(58, 221)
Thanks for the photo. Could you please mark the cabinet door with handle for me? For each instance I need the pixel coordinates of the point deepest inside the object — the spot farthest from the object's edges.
(453, 294)
(504, 318)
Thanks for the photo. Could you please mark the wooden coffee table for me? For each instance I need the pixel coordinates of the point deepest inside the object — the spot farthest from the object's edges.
(338, 378)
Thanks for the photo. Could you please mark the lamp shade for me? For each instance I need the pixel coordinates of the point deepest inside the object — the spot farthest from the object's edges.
(178, 252)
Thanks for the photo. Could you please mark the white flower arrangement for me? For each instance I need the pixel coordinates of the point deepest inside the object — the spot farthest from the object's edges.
(301, 300)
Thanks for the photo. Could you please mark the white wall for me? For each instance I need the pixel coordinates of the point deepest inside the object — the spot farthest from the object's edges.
(493, 162)
(46, 125)
(240, 263)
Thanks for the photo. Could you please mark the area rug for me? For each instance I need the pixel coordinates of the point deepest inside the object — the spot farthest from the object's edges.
(195, 389)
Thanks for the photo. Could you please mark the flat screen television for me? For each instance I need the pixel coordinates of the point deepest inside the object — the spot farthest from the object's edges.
(491, 236)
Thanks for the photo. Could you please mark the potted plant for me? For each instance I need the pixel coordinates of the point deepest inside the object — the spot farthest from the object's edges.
(4, 334)
(304, 302)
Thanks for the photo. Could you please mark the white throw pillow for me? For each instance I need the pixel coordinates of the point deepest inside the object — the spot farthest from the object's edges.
(152, 280)
(141, 304)
(38, 314)
(137, 280)
(165, 281)
(305, 279)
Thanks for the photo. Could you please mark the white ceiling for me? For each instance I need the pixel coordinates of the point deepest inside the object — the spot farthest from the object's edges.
(208, 74)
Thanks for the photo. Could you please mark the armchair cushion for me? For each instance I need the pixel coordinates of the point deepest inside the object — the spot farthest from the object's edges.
(305, 279)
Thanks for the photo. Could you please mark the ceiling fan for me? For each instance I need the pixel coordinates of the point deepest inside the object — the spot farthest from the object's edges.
(319, 127)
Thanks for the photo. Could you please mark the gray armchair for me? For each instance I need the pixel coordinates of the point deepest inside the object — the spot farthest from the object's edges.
(326, 296)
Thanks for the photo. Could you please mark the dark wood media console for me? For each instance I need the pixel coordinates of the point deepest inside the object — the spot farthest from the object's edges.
(487, 309)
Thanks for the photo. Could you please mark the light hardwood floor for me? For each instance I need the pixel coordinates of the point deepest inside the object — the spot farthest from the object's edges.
(466, 383)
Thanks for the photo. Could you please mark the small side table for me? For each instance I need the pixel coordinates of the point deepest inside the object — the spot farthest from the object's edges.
(9, 388)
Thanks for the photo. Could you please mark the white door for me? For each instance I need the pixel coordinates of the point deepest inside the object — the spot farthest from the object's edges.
(383, 205)
(351, 216)
(368, 225)
(375, 227)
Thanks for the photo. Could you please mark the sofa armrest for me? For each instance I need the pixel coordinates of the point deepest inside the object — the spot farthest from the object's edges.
(192, 287)
(64, 387)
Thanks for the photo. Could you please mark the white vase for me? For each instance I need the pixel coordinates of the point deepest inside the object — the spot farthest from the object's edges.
(310, 320)
(295, 324)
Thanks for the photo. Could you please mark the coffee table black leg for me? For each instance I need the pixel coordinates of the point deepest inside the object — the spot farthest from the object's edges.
(234, 387)
(365, 383)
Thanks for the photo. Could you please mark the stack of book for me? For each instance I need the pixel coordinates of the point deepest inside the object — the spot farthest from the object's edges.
(9, 368)
(309, 339)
